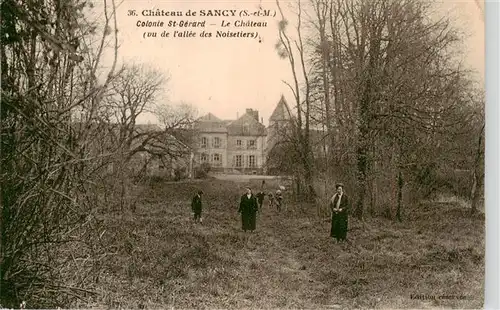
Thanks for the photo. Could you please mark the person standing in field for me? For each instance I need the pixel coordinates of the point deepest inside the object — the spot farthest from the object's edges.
(248, 209)
(196, 206)
(260, 199)
(278, 199)
(271, 199)
(339, 206)
(260, 195)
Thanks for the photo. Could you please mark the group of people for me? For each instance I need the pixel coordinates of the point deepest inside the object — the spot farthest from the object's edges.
(250, 204)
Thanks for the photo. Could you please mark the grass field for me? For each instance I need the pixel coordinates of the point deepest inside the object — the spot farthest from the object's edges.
(434, 259)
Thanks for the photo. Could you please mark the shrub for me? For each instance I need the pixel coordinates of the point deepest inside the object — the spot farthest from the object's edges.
(179, 173)
(201, 172)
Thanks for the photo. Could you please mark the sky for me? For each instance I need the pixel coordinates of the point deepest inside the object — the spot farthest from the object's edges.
(226, 76)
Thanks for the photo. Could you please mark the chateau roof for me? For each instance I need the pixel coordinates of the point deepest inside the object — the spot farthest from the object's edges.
(246, 125)
(210, 117)
(210, 123)
(280, 113)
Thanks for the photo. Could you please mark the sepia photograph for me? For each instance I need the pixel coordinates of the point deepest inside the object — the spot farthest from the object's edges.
(258, 154)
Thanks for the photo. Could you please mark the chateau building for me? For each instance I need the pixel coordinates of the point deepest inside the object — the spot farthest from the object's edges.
(232, 146)
(243, 145)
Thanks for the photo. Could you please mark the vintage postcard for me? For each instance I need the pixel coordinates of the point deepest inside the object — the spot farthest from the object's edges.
(259, 154)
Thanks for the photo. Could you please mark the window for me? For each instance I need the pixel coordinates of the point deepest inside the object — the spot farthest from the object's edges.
(251, 161)
(216, 142)
(204, 142)
(238, 161)
(204, 158)
(251, 144)
(217, 160)
(238, 143)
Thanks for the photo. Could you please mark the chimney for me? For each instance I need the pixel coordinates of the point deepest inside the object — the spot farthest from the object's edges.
(253, 113)
(262, 120)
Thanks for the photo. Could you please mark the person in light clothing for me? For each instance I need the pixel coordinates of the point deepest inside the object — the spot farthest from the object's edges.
(339, 206)
(278, 199)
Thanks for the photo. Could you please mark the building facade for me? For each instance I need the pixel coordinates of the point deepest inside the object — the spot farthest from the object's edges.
(232, 146)
(244, 145)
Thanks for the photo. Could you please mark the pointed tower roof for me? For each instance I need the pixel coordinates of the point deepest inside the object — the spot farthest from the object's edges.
(280, 113)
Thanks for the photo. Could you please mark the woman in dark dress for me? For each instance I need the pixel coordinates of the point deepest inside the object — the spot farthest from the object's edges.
(196, 206)
(260, 199)
(248, 209)
(339, 205)
(260, 195)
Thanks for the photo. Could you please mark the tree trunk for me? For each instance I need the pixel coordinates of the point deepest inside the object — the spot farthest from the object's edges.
(361, 155)
(297, 186)
(362, 150)
(325, 58)
(307, 164)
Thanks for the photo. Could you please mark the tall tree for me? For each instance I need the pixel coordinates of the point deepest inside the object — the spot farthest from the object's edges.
(294, 51)
(397, 71)
(49, 70)
(394, 92)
